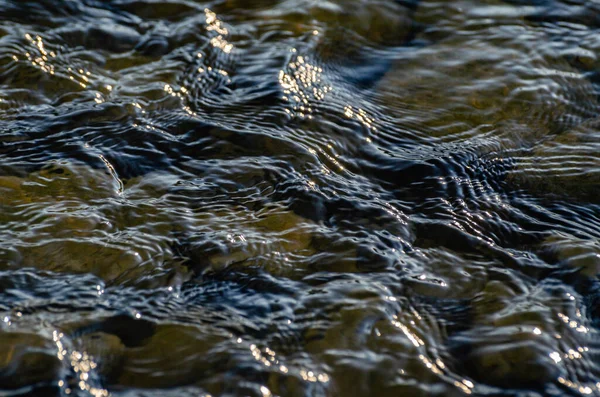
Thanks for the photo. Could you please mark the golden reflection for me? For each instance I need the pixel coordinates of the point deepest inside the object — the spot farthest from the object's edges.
(268, 358)
(360, 115)
(430, 365)
(220, 42)
(418, 342)
(258, 356)
(215, 25)
(302, 86)
(113, 173)
(463, 387)
(573, 324)
(313, 377)
(41, 56)
(577, 387)
(137, 105)
(323, 378)
(265, 391)
(573, 355)
(436, 366)
(82, 364)
(332, 159)
(178, 94)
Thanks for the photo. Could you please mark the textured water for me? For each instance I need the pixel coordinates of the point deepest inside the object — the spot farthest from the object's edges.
(299, 198)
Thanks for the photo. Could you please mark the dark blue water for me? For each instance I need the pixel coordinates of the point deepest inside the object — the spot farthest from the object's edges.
(299, 198)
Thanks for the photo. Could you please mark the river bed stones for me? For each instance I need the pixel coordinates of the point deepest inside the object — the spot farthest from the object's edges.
(577, 253)
(380, 22)
(235, 235)
(27, 360)
(495, 91)
(495, 88)
(157, 364)
(59, 181)
(516, 358)
(88, 221)
(337, 31)
(172, 355)
(64, 203)
(511, 339)
(565, 165)
(104, 35)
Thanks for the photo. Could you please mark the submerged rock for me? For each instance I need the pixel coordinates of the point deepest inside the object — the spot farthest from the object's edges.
(103, 35)
(235, 235)
(514, 95)
(500, 347)
(27, 360)
(106, 262)
(339, 29)
(515, 359)
(172, 355)
(383, 22)
(497, 82)
(107, 351)
(81, 226)
(574, 252)
(567, 164)
(158, 363)
(59, 181)
(88, 221)
(494, 88)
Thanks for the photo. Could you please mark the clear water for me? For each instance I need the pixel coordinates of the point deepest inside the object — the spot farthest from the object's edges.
(299, 198)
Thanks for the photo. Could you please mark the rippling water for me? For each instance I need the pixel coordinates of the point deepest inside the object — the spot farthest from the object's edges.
(299, 198)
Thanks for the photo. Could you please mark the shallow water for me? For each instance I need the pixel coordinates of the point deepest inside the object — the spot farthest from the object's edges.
(299, 198)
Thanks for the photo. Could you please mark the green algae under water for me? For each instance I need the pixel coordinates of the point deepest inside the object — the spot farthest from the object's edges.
(299, 198)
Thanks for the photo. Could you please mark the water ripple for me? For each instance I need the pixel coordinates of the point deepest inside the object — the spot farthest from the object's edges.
(299, 198)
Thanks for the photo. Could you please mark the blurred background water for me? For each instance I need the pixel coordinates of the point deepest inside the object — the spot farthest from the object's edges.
(299, 198)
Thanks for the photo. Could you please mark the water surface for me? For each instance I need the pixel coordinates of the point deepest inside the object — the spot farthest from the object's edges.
(299, 198)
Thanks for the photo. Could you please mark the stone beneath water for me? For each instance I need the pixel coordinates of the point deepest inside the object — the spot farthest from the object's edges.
(60, 181)
(70, 208)
(106, 262)
(173, 355)
(574, 252)
(107, 351)
(488, 84)
(337, 23)
(568, 164)
(81, 225)
(157, 364)
(235, 235)
(215, 237)
(499, 348)
(26, 360)
(521, 334)
(381, 21)
(88, 221)
(519, 359)
(518, 98)
(104, 35)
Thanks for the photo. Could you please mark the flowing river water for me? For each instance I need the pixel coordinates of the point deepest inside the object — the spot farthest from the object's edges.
(299, 198)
